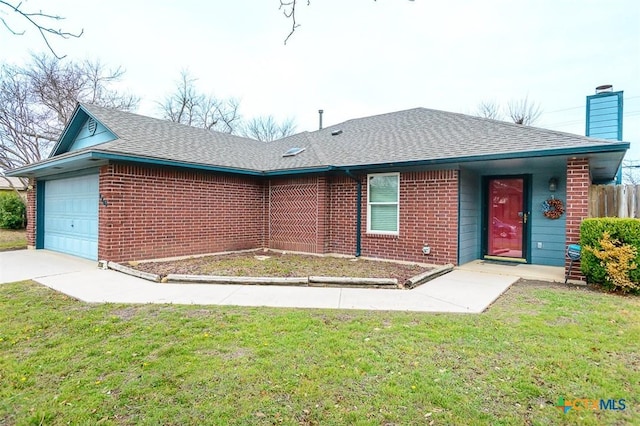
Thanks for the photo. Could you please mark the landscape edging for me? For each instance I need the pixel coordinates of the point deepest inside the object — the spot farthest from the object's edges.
(424, 277)
(311, 281)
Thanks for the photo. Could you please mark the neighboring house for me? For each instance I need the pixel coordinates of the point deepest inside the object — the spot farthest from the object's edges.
(120, 186)
(10, 184)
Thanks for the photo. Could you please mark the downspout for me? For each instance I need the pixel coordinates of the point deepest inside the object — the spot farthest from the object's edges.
(358, 211)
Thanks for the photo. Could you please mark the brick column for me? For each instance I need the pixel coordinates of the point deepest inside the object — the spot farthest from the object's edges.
(31, 214)
(322, 228)
(577, 205)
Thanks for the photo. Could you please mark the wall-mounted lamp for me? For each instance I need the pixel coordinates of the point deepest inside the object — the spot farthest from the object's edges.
(553, 184)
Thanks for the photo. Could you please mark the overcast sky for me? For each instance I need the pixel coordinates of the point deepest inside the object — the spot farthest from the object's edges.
(363, 57)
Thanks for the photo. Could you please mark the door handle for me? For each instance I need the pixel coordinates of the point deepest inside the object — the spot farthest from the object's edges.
(524, 216)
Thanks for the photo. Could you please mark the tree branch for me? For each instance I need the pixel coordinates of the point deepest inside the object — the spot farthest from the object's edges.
(289, 10)
(35, 18)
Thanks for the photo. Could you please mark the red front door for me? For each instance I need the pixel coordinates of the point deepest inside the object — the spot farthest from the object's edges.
(506, 218)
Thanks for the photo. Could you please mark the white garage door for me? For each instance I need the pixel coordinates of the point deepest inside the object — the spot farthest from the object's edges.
(71, 216)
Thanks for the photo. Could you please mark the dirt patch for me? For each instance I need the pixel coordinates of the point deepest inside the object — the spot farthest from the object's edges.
(520, 292)
(275, 264)
(13, 239)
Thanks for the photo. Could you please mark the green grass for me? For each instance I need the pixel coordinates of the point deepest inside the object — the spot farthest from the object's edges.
(63, 361)
(12, 239)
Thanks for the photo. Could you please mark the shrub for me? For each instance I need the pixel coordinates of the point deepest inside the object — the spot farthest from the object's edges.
(12, 211)
(622, 245)
(618, 260)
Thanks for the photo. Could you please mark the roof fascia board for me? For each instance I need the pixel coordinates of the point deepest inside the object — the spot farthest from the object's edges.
(31, 168)
(613, 147)
(172, 163)
(307, 170)
(66, 132)
(619, 147)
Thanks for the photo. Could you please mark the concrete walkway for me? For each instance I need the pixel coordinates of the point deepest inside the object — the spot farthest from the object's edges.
(458, 291)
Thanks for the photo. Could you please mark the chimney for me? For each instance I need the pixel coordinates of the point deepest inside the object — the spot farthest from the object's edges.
(605, 88)
(320, 115)
(604, 114)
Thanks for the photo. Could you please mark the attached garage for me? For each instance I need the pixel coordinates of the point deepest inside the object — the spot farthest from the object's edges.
(71, 216)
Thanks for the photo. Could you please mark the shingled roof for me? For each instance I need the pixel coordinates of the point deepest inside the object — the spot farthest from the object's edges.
(143, 136)
(403, 137)
(422, 134)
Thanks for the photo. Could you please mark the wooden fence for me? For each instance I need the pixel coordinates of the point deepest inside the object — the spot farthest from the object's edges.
(614, 201)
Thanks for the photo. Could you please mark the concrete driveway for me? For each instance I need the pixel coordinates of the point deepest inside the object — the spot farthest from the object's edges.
(458, 291)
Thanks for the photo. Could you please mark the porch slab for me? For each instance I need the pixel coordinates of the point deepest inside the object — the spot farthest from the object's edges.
(525, 271)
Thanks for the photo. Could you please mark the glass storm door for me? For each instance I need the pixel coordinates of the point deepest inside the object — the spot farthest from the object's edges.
(506, 218)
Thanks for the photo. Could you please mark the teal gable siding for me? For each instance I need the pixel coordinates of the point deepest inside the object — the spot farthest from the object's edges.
(549, 232)
(469, 217)
(85, 139)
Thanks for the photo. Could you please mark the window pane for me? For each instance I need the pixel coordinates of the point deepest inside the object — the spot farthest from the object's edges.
(383, 189)
(384, 217)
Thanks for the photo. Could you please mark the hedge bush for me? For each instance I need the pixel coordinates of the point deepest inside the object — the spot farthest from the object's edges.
(622, 232)
(13, 212)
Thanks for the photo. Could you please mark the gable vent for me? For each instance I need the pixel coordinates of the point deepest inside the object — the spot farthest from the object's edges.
(92, 126)
(293, 151)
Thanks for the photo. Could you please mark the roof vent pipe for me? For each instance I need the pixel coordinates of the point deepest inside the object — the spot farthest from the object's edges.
(604, 88)
(320, 115)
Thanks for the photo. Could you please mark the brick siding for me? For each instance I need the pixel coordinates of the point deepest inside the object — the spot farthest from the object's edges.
(31, 214)
(428, 215)
(297, 211)
(577, 205)
(161, 212)
(156, 212)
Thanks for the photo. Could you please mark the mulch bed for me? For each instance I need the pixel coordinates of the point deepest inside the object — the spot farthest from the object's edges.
(276, 264)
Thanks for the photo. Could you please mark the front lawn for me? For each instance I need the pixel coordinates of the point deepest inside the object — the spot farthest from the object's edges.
(11, 239)
(68, 362)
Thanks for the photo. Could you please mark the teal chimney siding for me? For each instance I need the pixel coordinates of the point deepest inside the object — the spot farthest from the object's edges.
(604, 117)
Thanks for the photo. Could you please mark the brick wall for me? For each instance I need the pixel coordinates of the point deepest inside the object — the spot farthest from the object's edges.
(162, 212)
(577, 205)
(428, 215)
(297, 214)
(31, 214)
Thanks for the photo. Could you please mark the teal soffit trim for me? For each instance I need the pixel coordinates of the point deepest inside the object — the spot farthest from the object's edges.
(54, 162)
(221, 169)
(102, 155)
(613, 147)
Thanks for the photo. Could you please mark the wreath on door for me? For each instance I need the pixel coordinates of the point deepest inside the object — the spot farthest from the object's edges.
(552, 208)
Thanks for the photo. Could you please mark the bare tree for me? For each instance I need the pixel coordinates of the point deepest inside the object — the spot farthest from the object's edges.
(39, 20)
(187, 105)
(266, 128)
(489, 109)
(523, 111)
(37, 100)
(631, 172)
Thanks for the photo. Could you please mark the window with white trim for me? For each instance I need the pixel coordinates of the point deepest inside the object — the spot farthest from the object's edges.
(383, 206)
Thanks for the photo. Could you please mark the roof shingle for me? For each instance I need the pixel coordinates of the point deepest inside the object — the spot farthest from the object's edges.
(417, 134)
